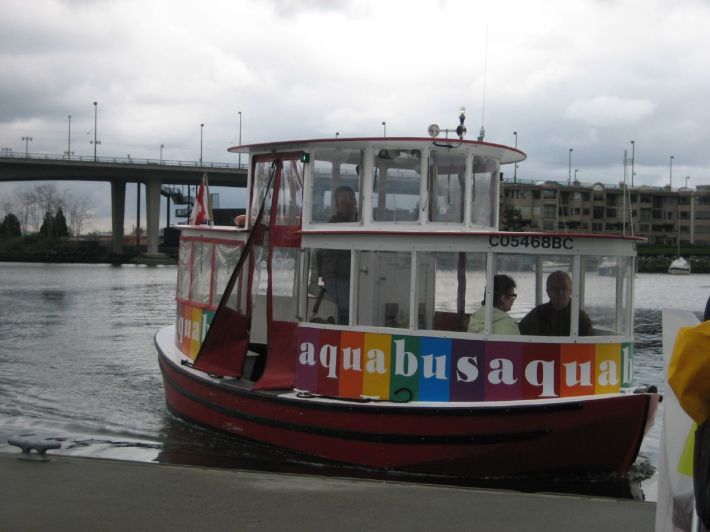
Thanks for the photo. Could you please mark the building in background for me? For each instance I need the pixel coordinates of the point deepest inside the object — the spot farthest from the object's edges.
(662, 215)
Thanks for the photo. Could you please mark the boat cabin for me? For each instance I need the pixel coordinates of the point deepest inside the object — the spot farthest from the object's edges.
(367, 267)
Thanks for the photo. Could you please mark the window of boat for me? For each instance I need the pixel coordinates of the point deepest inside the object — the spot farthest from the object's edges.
(520, 273)
(396, 185)
(284, 271)
(260, 181)
(450, 287)
(290, 203)
(329, 286)
(607, 293)
(201, 272)
(544, 302)
(384, 288)
(238, 297)
(225, 259)
(335, 193)
(183, 277)
(446, 186)
(483, 200)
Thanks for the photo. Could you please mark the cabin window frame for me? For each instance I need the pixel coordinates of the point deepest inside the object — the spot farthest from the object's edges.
(431, 243)
(186, 268)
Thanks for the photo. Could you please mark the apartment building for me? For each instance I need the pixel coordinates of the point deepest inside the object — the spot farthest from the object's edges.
(658, 213)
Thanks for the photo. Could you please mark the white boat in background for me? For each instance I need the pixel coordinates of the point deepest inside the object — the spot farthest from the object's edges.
(607, 268)
(549, 266)
(679, 266)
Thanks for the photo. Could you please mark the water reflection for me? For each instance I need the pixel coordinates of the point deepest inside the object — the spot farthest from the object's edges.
(185, 444)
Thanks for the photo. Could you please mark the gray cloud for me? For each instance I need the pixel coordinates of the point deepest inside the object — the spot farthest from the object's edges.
(592, 75)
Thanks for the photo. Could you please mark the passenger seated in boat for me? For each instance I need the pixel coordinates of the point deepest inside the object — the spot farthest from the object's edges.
(553, 318)
(503, 298)
(334, 264)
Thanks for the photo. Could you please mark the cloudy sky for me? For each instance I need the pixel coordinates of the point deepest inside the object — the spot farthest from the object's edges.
(591, 75)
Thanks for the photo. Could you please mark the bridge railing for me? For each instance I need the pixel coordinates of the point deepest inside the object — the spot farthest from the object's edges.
(8, 154)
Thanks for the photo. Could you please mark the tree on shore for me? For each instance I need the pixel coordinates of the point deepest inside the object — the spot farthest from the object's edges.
(60, 224)
(30, 204)
(10, 226)
(48, 229)
(512, 220)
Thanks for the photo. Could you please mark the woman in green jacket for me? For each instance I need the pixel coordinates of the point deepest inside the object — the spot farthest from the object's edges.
(503, 298)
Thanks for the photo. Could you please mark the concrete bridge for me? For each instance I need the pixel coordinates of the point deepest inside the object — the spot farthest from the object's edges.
(119, 171)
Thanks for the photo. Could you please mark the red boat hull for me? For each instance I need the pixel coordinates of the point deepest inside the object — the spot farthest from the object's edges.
(590, 435)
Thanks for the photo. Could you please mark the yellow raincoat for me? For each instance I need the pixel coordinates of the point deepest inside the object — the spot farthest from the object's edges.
(689, 370)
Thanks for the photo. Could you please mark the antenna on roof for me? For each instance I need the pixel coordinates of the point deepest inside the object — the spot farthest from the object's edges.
(482, 133)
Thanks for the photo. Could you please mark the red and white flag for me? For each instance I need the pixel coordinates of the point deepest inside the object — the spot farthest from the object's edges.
(202, 210)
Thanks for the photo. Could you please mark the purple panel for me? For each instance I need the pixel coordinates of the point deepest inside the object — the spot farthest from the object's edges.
(468, 370)
(306, 375)
(503, 359)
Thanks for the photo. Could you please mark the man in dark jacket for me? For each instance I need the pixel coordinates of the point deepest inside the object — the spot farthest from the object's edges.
(553, 318)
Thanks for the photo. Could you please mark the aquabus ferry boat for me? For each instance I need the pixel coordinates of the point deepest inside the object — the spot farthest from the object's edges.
(354, 318)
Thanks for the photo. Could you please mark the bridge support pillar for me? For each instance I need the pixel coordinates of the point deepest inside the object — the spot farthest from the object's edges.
(118, 209)
(152, 208)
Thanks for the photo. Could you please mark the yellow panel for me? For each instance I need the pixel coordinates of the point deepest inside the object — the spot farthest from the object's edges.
(195, 332)
(376, 365)
(608, 368)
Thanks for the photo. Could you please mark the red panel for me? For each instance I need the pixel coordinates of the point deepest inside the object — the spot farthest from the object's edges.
(327, 361)
(541, 364)
(225, 347)
(282, 357)
(581, 365)
(351, 377)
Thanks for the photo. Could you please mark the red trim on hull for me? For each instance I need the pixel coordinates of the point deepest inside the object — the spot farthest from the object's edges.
(601, 435)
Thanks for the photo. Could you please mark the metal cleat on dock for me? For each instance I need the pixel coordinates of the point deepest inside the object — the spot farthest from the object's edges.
(34, 444)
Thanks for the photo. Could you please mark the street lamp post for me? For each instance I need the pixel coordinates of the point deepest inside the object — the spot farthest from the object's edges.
(384, 128)
(202, 126)
(633, 157)
(96, 142)
(515, 168)
(69, 138)
(161, 153)
(138, 213)
(27, 146)
(670, 171)
(569, 175)
(240, 138)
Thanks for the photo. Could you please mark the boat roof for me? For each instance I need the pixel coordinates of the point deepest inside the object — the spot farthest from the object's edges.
(506, 154)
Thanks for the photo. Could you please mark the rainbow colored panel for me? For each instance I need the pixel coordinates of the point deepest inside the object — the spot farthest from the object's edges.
(577, 373)
(434, 371)
(377, 353)
(608, 367)
(502, 371)
(306, 369)
(468, 358)
(195, 332)
(404, 379)
(328, 357)
(424, 368)
(350, 364)
(627, 365)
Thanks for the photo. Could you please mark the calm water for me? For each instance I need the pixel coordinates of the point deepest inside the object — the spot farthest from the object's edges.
(77, 364)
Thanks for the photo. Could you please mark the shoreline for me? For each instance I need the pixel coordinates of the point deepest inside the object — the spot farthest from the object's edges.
(81, 494)
(168, 256)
